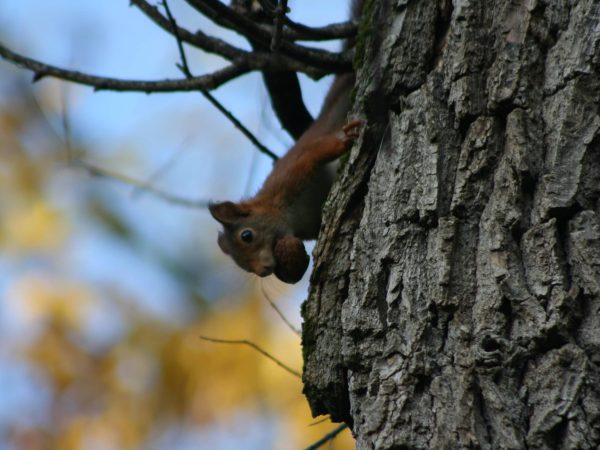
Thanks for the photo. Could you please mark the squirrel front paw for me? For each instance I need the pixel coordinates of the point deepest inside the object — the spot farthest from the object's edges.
(351, 130)
(291, 259)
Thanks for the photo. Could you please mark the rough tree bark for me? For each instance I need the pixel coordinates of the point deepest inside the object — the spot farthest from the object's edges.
(455, 299)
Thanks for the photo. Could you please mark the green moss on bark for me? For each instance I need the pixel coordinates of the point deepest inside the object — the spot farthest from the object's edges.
(364, 30)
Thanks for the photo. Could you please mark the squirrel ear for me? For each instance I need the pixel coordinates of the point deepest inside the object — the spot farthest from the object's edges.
(227, 212)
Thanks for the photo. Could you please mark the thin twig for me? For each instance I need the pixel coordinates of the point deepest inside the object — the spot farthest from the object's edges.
(170, 198)
(66, 124)
(280, 15)
(280, 313)
(185, 69)
(328, 437)
(318, 422)
(255, 347)
(162, 169)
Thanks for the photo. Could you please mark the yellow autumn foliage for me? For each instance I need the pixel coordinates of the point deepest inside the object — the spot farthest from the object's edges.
(36, 226)
(150, 374)
(40, 298)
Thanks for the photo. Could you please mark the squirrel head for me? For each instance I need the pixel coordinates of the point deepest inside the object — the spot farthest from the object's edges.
(257, 242)
(248, 236)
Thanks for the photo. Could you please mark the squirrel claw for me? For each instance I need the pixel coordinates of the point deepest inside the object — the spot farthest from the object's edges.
(351, 130)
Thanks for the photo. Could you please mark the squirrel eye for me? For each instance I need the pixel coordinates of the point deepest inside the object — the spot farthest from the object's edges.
(247, 235)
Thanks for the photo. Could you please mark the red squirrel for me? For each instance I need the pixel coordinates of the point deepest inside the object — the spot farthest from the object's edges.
(264, 234)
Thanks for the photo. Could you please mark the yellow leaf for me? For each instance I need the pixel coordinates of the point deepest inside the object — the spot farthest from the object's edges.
(36, 298)
(34, 227)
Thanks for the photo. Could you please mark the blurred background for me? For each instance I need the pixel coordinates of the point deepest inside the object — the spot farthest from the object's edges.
(105, 289)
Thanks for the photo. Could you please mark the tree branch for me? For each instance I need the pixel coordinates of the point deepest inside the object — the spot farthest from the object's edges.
(298, 31)
(252, 61)
(225, 16)
(41, 70)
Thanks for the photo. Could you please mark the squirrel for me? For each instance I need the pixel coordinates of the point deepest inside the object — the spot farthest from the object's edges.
(264, 234)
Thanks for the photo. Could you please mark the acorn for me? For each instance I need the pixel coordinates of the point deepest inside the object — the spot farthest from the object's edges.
(291, 259)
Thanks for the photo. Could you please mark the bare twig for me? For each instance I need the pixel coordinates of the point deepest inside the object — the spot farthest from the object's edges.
(328, 437)
(66, 125)
(280, 15)
(280, 313)
(318, 422)
(170, 198)
(163, 168)
(255, 347)
(185, 69)
(41, 70)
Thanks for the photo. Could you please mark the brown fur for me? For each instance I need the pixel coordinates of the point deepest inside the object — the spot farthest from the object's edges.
(288, 205)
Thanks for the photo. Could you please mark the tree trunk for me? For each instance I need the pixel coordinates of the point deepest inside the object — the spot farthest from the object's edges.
(455, 298)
